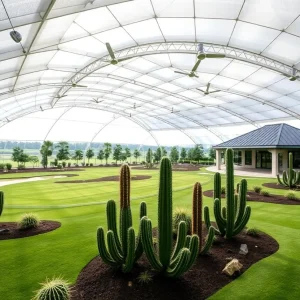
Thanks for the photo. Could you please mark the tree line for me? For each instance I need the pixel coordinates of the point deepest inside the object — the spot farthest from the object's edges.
(118, 153)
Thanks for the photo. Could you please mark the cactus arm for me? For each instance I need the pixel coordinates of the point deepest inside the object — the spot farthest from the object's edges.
(130, 251)
(209, 241)
(221, 223)
(223, 212)
(194, 250)
(243, 222)
(181, 236)
(284, 178)
(217, 185)
(125, 224)
(105, 256)
(1, 202)
(229, 193)
(139, 246)
(165, 212)
(113, 249)
(279, 180)
(187, 241)
(146, 234)
(181, 266)
(242, 202)
(206, 217)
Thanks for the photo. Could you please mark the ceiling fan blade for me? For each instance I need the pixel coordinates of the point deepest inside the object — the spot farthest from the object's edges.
(110, 51)
(215, 91)
(181, 73)
(196, 65)
(215, 55)
(195, 75)
(125, 58)
(78, 85)
(207, 88)
(201, 56)
(201, 90)
(58, 97)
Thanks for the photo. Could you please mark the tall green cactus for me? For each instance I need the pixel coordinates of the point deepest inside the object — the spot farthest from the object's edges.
(290, 178)
(231, 219)
(171, 262)
(217, 186)
(122, 251)
(197, 220)
(1, 202)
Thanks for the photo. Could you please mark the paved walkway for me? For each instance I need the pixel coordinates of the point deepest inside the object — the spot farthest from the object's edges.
(243, 171)
(4, 182)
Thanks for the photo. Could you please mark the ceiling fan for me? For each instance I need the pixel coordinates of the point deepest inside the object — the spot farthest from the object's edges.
(207, 92)
(192, 73)
(70, 84)
(97, 100)
(58, 97)
(113, 60)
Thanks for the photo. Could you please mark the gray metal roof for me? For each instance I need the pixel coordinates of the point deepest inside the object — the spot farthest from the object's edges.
(269, 136)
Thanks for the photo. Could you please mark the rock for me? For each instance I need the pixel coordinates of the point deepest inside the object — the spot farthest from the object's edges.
(243, 249)
(232, 267)
(130, 283)
(229, 258)
(5, 230)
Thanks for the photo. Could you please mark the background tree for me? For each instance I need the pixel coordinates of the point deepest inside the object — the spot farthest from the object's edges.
(136, 154)
(17, 154)
(63, 151)
(46, 151)
(149, 156)
(117, 153)
(24, 158)
(183, 153)
(163, 151)
(34, 160)
(157, 155)
(198, 153)
(174, 155)
(212, 153)
(107, 150)
(100, 155)
(123, 156)
(89, 154)
(78, 155)
(190, 154)
(128, 153)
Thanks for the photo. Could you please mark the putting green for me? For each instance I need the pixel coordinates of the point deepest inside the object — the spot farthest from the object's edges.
(81, 209)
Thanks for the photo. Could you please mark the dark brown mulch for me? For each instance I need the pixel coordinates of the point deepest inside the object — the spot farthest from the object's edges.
(275, 185)
(20, 177)
(107, 178)
(27, 170)
(252, 196)
(15, 233)
(99, 281)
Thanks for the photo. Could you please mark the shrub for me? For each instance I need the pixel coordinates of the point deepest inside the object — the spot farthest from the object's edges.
(253, 231)
(21, 167)
(28, 220)
(145, 277)
(8, 166)
(265, 193)
(69, 165)
(223, 190)
(291, 196)
(257, 189)
(181, 214)
(64, 164)
(83, 164)
(2, 166)
(54, 289)
(59, 166)
(91, 164)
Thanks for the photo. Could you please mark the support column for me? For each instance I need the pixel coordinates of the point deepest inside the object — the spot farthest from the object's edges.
(275, 170)
(218, 159)
(243, 158)
(253, 165)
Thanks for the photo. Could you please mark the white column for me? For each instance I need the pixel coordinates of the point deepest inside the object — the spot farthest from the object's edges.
(218, 159)
(243, 158)
(253, 159)
(274, 162)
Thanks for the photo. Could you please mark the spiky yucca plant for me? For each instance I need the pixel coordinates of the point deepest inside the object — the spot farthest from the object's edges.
(1, 202)
(182, 214)
(174, 262)
(125, 249)
(232, 218)
(290, 178)
(197, 221)
(28, 220)
(54, 289)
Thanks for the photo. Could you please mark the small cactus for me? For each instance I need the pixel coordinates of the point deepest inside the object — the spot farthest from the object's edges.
(290, 178)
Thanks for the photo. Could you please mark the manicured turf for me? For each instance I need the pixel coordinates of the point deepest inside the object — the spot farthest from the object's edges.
(26, 262)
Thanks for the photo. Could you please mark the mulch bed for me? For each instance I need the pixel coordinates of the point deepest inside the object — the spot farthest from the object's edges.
(99, 281)
(107, 178)
(252, 196)
(27, 170)
(275, 185)
(15, 233)
(20, 177)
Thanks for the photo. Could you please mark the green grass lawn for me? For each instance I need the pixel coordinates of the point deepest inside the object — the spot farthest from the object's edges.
(81, 209)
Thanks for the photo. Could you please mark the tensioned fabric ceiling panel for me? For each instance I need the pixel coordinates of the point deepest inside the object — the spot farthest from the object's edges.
(147, 75)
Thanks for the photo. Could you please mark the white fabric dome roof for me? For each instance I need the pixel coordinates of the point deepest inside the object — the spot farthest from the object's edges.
(141, 99)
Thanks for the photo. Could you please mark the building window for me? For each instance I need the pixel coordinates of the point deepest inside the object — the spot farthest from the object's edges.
(248, 158)
(237, 157)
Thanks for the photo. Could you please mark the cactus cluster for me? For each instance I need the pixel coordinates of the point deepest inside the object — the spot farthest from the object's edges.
(290, 178)
(172, 262)
(232, 218)
(125, 249)
(1, 202)
(197, 220)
